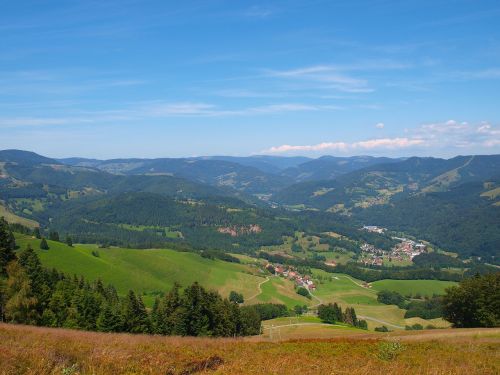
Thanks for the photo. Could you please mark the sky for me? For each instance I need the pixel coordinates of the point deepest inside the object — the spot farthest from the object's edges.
(109, 79)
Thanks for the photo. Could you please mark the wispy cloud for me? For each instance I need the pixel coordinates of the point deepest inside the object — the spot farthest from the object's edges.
(330, 77)
(159, 109)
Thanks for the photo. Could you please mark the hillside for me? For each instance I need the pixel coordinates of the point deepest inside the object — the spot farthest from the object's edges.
(452, 203)
(154, 271)
(331, 167)
(384, 183)
(30, 350)
(220, 172)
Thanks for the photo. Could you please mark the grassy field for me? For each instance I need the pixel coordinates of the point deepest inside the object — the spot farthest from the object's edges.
(279, 290)
(413, 287)
(15, 219)
(146, 271)
(34, 350)
(348, 291)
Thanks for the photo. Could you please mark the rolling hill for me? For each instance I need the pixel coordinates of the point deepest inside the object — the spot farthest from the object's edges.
(152, 272)
(331, 167)
(220, 172)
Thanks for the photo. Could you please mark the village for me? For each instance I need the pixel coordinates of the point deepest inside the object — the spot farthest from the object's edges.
(405, 250)
(290, 273)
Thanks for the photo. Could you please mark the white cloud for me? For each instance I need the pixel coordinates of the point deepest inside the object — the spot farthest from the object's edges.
(380, 125)
(388, 143)
(372, 144)
(450, 134)
(326, 146)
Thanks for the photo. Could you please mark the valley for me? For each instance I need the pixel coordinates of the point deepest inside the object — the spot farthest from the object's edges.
(149, 225)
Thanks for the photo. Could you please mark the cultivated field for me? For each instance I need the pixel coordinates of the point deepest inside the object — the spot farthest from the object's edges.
(33, 350)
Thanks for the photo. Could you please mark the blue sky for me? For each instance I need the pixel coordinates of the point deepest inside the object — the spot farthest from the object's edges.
(124, 78)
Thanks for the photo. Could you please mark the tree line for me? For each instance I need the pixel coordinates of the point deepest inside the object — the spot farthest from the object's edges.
(332, 313)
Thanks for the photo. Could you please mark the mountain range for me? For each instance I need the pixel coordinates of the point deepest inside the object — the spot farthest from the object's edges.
(415, 195)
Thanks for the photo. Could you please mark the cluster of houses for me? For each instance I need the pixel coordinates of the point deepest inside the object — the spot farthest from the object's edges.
(292, 274)
(405, 250)
(409, 248)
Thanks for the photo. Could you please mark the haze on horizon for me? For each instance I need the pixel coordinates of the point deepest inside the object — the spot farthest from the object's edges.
(151, 79)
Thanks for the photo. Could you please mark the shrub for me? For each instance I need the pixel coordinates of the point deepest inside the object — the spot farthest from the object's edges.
(303, 292)
(387, 351)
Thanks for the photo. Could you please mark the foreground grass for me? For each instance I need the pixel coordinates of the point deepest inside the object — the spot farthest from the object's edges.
(33, 350)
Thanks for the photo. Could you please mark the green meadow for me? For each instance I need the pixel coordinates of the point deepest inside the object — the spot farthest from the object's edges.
(413, 287)
(146, 271)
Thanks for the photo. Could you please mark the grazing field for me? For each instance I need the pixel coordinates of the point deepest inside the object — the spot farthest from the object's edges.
(34, 350)
(413, 287)
(279, 290)
(348, 291)
(146, 271)
(15, 219)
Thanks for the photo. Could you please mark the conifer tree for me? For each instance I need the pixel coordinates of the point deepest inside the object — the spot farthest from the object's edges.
(21, 303)
(108, 320)
(43, 244)
(69, 241)
(7, 246)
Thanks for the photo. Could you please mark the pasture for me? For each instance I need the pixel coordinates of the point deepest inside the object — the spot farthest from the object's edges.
(150, 272)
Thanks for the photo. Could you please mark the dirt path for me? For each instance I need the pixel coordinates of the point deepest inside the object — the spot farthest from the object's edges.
(380, 321)
(260, 289)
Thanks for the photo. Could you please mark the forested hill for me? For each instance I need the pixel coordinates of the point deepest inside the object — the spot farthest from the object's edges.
(381, 183)
(28, 175)
(465, 219)
(452, 203)
(216, 172)
(331, 167)
(151, 220)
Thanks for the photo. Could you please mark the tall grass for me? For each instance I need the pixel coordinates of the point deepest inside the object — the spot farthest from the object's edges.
(34, 350)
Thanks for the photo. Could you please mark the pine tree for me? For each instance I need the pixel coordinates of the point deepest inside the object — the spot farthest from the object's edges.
(7, 246)
(36, 233)
(43, 244)
(39, 278)
(108, 320)
(134, 317)
(21, 304)
(69, 241)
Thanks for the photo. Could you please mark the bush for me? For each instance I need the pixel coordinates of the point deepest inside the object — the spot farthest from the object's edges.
(303, 292)
(387, 351)
(391, 298)
(382, 329)
(236, 297)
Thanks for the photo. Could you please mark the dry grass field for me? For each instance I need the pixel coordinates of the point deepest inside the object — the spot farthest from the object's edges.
(33, 350)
